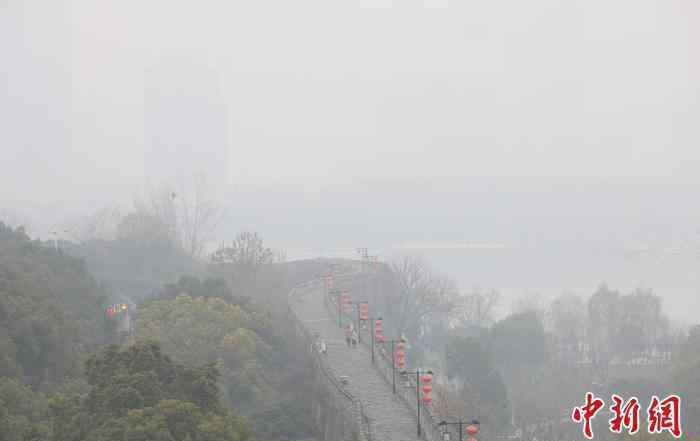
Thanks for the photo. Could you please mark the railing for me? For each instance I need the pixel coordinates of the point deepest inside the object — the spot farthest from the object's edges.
(383, 363)
(361, 427)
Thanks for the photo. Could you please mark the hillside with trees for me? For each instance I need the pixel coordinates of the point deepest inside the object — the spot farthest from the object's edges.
(50, 311)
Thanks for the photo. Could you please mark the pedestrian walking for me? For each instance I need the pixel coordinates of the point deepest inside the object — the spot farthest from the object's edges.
(354, 339)
(324, 348)
(348, 335)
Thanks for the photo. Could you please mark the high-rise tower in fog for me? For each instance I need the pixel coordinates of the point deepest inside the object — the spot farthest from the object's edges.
(184, 121)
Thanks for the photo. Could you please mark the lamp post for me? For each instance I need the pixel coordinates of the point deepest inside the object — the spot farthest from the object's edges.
(375, 333)
(393, 360)
(327, 283)
(472, 428)
(426, 377)
(342, 298)
(362, 307)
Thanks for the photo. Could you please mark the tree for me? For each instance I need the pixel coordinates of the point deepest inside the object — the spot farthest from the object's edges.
(247, 253)
(476, 308)
(194, 287)
(567, 317)
(642, 311)
(415, 295)
(211, 330)
(519, 340)
(685, 379)
(246, 264)
(50, 310)
(23, 413)
(530, 302)
(190, 211)
(139, 393)
(476, 387)
(99, 225)
(603, 314)
(145, 228)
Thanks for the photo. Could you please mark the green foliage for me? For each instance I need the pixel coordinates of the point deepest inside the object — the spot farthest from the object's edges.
(50, 310)
(470, 362)
(284, 420)
(685, 379)
(193, 286)
(263, 375)
(200, 329)
(247, 266)
(22, 412)
(518, 340)
(144, 256)
(138, 393)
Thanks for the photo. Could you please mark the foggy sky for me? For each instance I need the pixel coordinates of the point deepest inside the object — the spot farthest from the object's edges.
(325, 123)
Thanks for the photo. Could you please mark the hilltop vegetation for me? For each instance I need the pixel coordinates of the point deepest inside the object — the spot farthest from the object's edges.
(50, 311)
(204, 347)
(134, 393)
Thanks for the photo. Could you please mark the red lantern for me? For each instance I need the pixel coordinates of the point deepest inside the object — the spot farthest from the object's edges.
(471, 430)
(400, 357)
(364, 311)
(425, 380)
(378, 330)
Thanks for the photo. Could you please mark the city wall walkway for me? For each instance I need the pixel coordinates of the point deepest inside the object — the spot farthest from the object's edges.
(389, 416)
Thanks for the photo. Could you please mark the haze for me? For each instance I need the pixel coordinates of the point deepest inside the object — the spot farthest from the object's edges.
(565, 132)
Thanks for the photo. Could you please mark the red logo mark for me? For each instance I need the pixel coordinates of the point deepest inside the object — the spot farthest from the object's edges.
(586, 413)
(626, 415)
(665, 415)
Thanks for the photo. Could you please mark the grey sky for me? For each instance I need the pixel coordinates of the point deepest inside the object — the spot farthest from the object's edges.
(576, 120)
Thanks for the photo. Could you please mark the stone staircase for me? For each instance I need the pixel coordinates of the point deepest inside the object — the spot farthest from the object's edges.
(390, 418)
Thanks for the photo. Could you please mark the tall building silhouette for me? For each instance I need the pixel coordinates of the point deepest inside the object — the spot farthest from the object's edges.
(184, 121)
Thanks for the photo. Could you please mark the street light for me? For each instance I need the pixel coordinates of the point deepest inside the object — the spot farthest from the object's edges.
(362, 307)
(342, 299)
(471, 429)
(375, 333)
(425, 377)
(393, 359)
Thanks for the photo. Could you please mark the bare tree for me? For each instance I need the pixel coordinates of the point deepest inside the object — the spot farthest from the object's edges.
(243, 262)
(189, 210)
(199, 215)
(15, 220)
(247, 251)
(476, 308)
(418, 293)
(530, 302)
(101, 224)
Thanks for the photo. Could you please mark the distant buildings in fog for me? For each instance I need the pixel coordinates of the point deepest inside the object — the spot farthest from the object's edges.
(185, 121)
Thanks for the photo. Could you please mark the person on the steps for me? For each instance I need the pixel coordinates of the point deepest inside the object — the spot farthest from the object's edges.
(348, 334)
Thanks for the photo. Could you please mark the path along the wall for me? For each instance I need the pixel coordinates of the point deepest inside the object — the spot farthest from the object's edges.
(390, 417)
